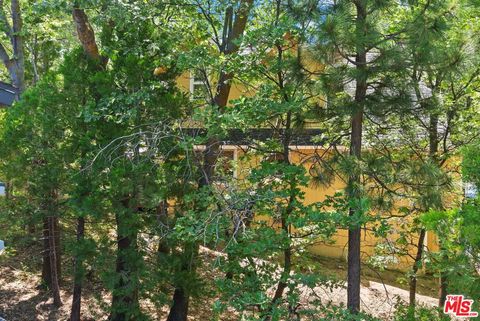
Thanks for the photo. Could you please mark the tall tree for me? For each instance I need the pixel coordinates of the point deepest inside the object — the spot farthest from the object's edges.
(357, 41)
(87, 39)
(26, 44)
(141, 97)
(234, 25)
(43, 167)
(443, 72)
(354, 232)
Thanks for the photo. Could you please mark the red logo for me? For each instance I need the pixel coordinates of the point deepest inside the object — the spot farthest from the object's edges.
(459, 306)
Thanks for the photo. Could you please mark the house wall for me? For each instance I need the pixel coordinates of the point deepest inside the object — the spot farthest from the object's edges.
(337, 248)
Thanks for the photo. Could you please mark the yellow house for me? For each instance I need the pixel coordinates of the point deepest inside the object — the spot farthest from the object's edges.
(300, 151)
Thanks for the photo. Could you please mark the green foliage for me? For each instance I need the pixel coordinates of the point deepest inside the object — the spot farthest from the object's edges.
(458, 254)
(471, 164)
(333, 313)
(105, 142)
(421, 313)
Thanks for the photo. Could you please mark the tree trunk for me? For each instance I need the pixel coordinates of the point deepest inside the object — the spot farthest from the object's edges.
(181, 295)
(8, 190)
(46, 266)
(354, 268)
(78, 275)
(162, 218)
(179, 309)
(54, 260)
(85, 33)
(416, 266)
(18, 76)
(46, 271)
(354, 232)
(125, 295)
(433, 146)
(442, 293)
(15, 64)
(443, 280)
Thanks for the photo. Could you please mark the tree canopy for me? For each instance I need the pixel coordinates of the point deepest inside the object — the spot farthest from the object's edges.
(184, 159)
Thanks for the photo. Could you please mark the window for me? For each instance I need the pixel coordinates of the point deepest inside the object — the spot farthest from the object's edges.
(198, 88)
(470, 190)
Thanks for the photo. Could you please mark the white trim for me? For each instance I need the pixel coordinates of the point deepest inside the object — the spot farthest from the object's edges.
(314, 147)
(235, 160)
(222, 147)
(292, 147)
(194, 82)
(191, 80)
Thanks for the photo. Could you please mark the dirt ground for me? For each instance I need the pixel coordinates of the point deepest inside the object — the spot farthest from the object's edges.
(22, 300)
(377, 299)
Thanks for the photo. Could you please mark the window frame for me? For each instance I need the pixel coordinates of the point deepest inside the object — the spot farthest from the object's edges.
(194, 81)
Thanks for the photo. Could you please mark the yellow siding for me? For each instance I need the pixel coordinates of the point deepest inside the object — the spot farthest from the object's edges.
(337, 248)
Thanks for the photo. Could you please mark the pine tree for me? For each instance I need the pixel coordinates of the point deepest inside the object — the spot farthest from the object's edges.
(359, 43)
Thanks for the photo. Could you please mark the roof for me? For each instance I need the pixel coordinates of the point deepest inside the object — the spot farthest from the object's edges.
(7, 94)
(299, 137)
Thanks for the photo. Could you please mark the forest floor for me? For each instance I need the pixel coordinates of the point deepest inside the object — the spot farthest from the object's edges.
(21, 299)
